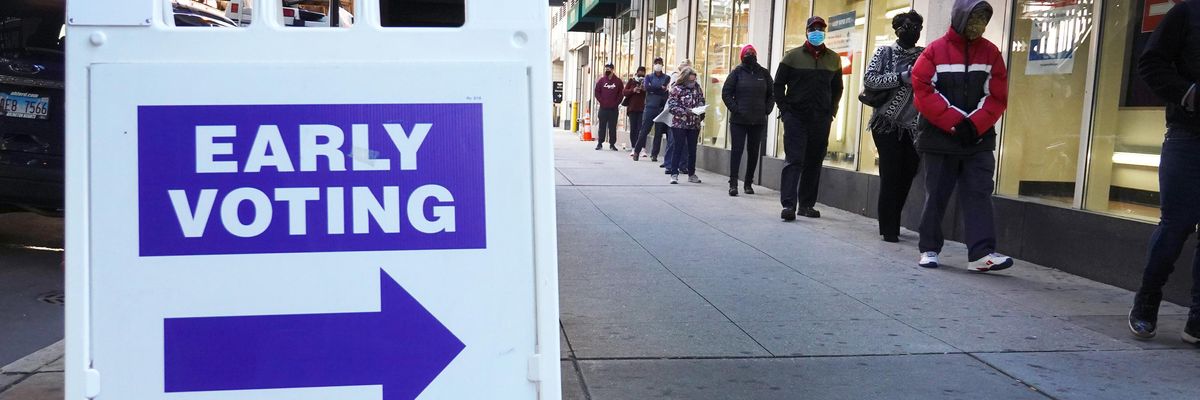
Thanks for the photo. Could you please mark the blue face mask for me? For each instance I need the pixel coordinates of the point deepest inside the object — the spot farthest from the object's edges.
(817, 38)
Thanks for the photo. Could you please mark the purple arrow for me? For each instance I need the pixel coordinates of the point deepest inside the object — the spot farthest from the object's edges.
(403, 348)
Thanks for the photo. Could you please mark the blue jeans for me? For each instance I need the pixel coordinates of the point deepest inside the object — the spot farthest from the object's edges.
(1179, 192)
(682, 154)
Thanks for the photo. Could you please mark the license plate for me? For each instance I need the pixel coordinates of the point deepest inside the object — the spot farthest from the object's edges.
(24, 105)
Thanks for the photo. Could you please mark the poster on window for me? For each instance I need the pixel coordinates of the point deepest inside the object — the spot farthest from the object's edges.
(1153, 13)
(841, 38)
(1056, 34)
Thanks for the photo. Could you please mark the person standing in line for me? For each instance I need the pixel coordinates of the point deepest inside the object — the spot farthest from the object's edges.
(1170, 65)
(960, 87)
(808, 87)
(748, 95)
(670, 120)
(656, 100)
(683, 104)
(609, 94)
(893, 125)
(635, 104)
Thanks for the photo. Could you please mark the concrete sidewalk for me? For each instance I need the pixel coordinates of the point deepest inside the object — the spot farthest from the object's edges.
(38, 376)
(681, 292)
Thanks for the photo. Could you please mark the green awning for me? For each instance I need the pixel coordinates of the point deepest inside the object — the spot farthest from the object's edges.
(576, 22)
(603, 8)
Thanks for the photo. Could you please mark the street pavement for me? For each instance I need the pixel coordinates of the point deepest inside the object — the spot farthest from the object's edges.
(30, 270)
(682, 292)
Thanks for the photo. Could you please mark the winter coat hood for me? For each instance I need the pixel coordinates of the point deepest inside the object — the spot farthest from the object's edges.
(962, 11)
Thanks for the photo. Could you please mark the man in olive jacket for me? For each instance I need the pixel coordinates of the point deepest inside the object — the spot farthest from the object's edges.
(808, 87)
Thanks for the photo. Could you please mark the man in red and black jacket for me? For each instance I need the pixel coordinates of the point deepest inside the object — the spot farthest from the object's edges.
(808, 88)
(960, 87)
(1170, 67)
(609, 92)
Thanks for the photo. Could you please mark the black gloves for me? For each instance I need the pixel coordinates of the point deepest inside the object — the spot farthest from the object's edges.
(966, 133)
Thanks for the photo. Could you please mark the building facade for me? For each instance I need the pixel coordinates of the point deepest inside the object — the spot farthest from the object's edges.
(1076, 180)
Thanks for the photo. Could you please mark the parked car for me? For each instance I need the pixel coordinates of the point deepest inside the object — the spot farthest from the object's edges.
(31, 111)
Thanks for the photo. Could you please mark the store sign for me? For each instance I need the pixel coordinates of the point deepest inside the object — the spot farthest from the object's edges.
(557, 96)
(1154, 11)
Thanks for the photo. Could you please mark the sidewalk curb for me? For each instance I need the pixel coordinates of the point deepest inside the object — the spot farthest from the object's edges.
(46, 360)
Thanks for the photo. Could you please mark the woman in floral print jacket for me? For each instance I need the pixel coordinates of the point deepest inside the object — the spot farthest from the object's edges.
(686, 95)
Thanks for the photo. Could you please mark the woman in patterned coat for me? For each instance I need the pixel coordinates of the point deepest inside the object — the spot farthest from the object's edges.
(894, 124)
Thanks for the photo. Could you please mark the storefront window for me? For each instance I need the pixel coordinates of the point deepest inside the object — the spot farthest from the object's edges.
(1128, 121)
(716, 69)
(1049, 55)
(846, 36)
(794, 35)
(660, 40)
(880, 33)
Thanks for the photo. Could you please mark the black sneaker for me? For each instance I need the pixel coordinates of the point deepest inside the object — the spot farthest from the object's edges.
(891, 238)
(655, 159)
(1191, 332)
(748, 189)
(612, 147)
(788, 214)
(733, 191)
(1143, 317)
(598, 147)
(809, 212)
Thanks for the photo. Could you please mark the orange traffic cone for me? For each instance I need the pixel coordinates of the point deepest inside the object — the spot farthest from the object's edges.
(587, 128)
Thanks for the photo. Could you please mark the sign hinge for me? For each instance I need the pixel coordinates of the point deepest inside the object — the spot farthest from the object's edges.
(535, 368)
(91, 383)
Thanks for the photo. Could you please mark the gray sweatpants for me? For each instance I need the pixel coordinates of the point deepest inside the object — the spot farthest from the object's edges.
(973, 175)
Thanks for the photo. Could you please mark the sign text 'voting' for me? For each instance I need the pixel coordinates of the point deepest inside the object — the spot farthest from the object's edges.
(310, 178)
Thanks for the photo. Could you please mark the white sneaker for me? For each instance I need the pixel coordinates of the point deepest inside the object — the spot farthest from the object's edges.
(693, 179)
(929, 259)
(675, 179)
(991, 262)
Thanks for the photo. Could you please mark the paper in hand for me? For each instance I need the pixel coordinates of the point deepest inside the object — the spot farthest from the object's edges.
(699, 110)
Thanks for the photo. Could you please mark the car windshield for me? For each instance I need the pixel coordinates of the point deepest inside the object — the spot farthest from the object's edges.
(19, 34)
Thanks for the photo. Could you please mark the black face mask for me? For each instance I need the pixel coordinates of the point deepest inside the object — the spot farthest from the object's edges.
(750, 60)
(908, 38)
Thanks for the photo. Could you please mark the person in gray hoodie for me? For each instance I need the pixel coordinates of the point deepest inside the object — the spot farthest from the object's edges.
(960, 87)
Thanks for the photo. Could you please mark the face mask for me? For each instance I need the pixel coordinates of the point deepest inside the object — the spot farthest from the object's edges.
(750, 59)
(976, 24)
(658, 68)
(908, 38)
(817, 38)
(607, 72)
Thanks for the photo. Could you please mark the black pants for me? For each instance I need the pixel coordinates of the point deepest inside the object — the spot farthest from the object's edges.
(648, 125)
(805, 140)
(748, 139)
(1179, 185)
(608, 125)
(635, 128)
(972, 174)
(898, 165)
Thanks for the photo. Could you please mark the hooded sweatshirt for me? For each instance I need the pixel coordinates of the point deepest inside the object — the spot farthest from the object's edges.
(954, 80)
(1170, 65)
(610, 91)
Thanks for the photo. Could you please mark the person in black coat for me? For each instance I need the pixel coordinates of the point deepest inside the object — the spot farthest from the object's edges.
(1169, 66)
(748, 95)
(894, 123)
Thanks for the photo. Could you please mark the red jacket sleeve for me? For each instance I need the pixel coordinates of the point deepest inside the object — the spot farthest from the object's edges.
(596, 90)
(931, 104)
(996, 101)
